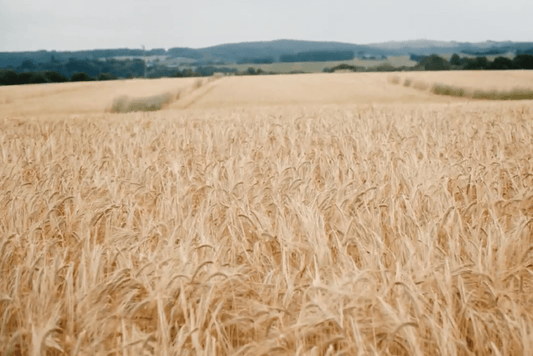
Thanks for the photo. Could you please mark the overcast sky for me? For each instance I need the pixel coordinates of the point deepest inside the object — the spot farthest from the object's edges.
(90, 24)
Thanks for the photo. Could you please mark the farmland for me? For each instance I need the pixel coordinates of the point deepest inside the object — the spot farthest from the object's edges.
(319, 214)
(79, 98)
(499, 80)
(317, 67)
(313, 67)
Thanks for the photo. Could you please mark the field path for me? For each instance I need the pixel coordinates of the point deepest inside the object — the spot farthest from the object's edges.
(305, 89)
(194, 93)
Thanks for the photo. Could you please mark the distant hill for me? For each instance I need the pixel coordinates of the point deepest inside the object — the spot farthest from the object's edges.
(413, 44)
(426, 47)
(237, 52)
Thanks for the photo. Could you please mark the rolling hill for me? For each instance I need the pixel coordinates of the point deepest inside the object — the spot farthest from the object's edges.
(235, 52)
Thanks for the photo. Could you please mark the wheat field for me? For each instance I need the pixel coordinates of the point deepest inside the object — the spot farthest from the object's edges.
(284, 228)
(317, 89)
(63, 99)
(492, 80)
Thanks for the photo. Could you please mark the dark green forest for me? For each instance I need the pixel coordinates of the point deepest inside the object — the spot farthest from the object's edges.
(15, 58)
(74, 70)
(437, 63)
(317, 56)
(264, 51)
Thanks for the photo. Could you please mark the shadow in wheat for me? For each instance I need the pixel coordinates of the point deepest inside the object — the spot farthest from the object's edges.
(125, 104)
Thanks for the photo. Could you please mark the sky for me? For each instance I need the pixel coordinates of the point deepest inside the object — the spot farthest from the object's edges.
(89, 24)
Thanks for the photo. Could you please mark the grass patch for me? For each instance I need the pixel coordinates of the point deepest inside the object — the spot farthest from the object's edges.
(407, 82)
(443, 89)
(125, 104)
(515, 94)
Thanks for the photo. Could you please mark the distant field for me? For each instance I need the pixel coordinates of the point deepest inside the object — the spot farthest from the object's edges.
(227, 92)
(315, 67)
(306, 89)
(82, 97)
(488, 80)
(491, 57)
(246, 91)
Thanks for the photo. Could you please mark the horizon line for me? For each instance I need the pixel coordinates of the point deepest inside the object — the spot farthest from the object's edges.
(276, 40)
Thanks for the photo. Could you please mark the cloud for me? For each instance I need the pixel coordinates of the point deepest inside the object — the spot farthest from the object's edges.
(73, 25)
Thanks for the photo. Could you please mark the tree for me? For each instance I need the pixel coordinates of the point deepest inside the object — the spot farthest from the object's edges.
(24, 77)
(27, 65)
(55, 77)
(188, 73)
(185, 52)
(523, 61)
(525, 51)
(435, 62)
(82, 66)
(81, 77)
(258, 60)
(37, 78)
(455, 60)
(317, 56)
(503, 63)
(8, 77)
(416, 57)
(106, 76)
(478, 63)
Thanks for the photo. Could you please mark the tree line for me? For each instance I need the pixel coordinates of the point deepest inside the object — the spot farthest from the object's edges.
(88, 70)
(257, 60)
(434, 62)
(75, 70)
(15, 58)
(317, 56)
(11, 77)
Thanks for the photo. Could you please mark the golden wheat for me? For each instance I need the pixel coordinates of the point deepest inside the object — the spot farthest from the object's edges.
(316, 230)
(306, 89)
(472, 80)
(81, 98)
